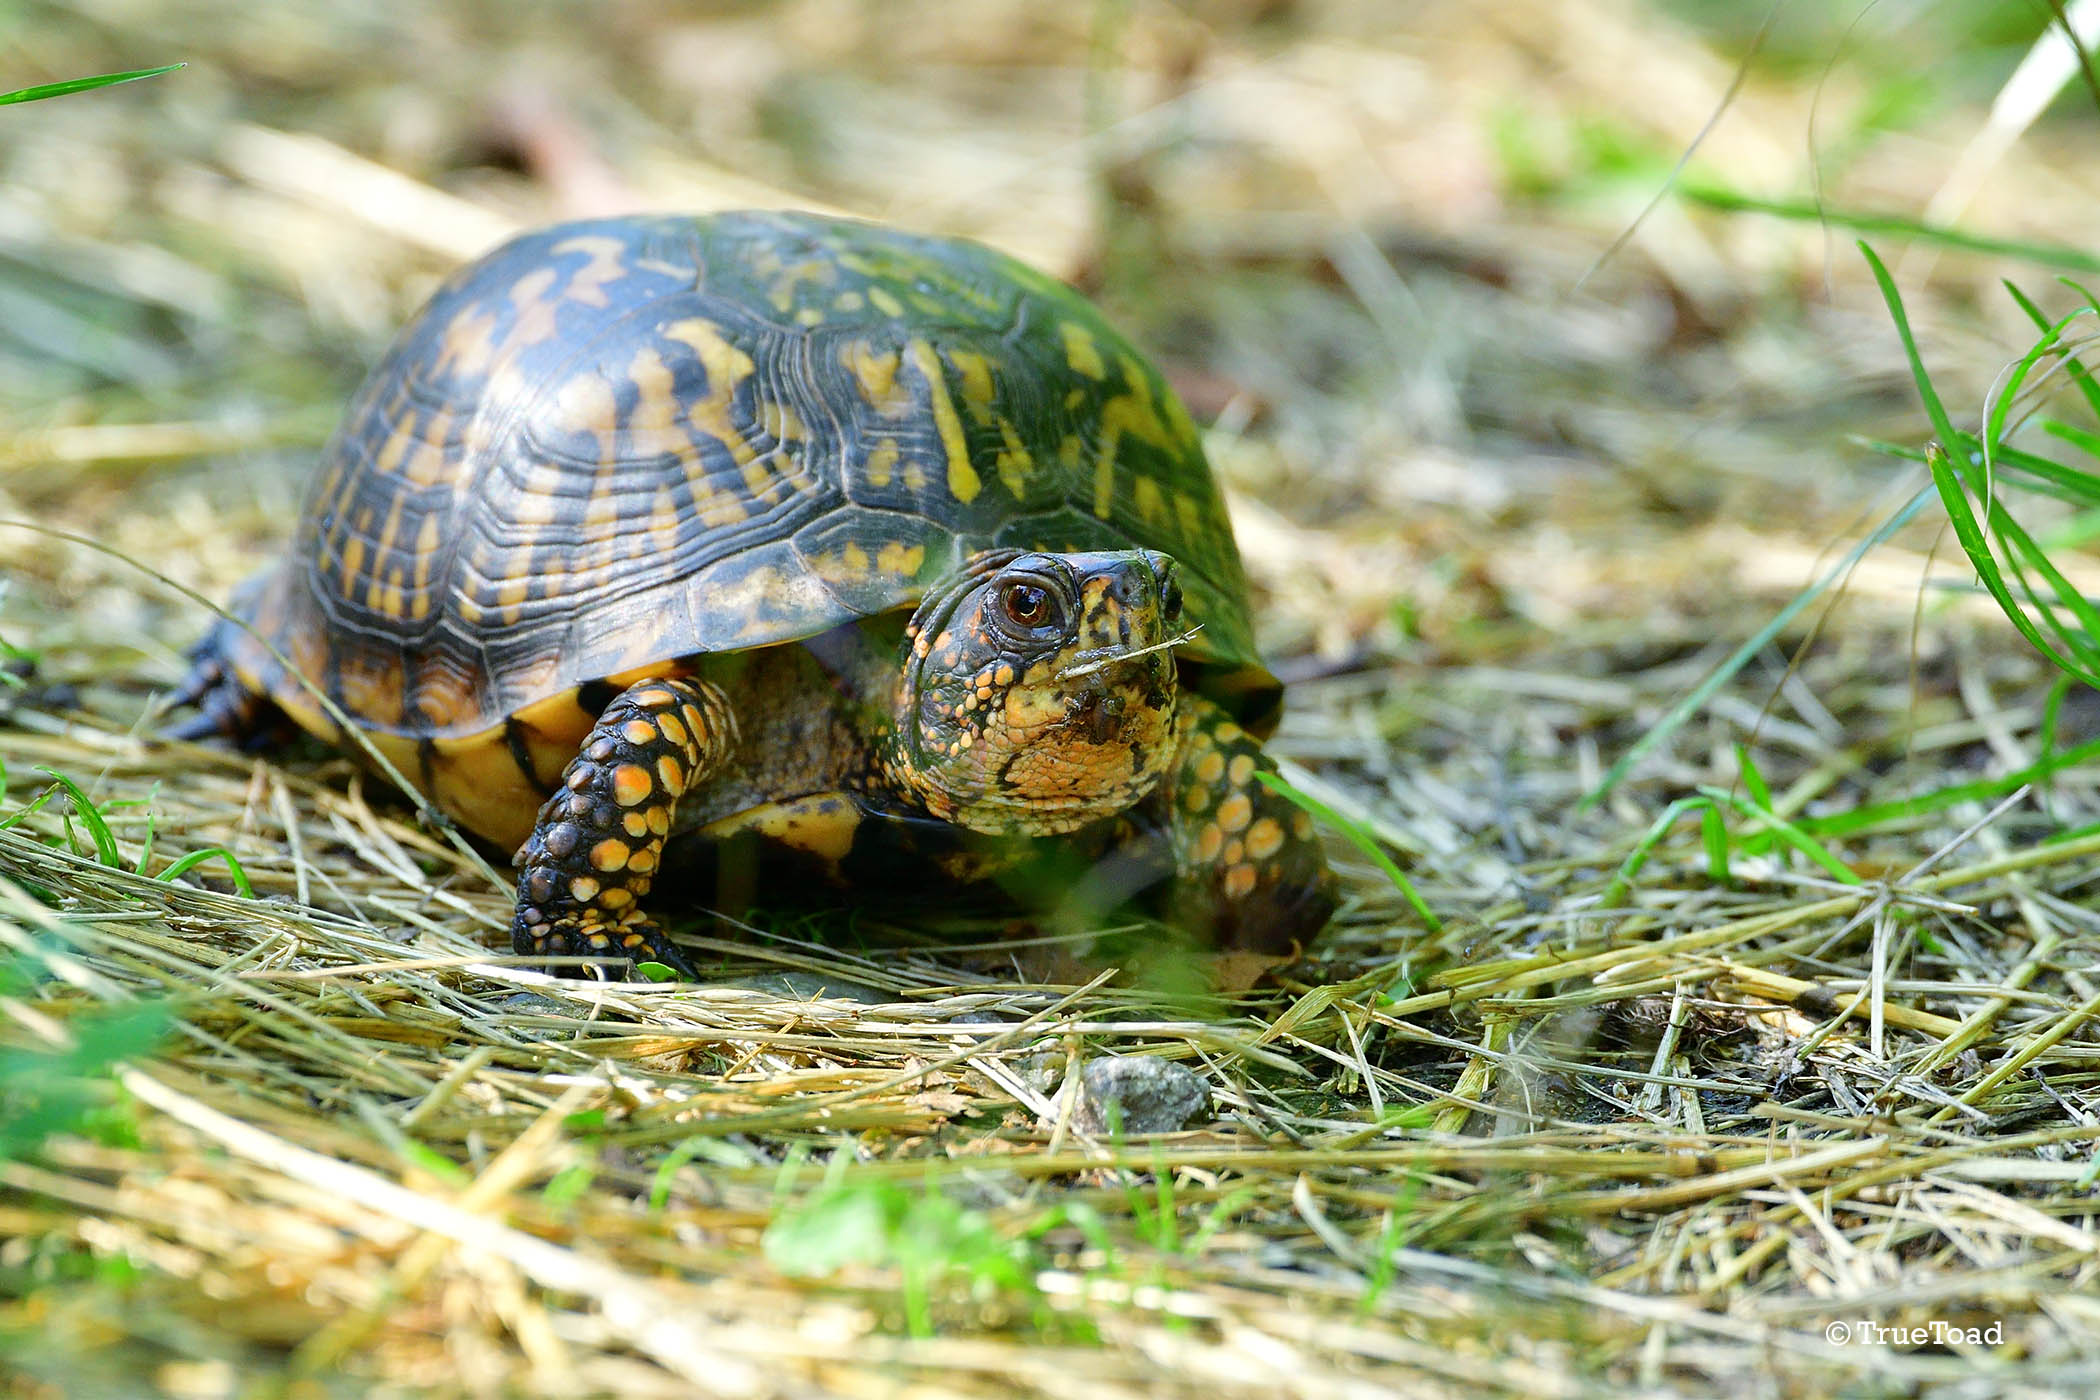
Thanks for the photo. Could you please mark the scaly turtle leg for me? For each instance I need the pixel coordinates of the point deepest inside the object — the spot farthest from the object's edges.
(594, 849)
(1248, 865)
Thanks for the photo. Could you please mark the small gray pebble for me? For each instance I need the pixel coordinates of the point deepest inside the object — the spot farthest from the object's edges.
(1151, 1095)
(810, 986)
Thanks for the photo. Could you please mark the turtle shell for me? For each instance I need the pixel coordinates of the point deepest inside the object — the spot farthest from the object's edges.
(616, 442)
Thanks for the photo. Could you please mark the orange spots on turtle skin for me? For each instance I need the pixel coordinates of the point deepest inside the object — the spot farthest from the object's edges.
(1081, 353)
(632, 785)
(668, 725)
(659, 820)
(583, 889)
(1210, 768)
(1228, 733)
(1235, 812)
(1241, 769)
(668, 769)
(635, 825)
(643, 861)
(1234, 849)
(609, 855)
(1196, 799)
(1209, 842)
(1004, 675)
(1302, 826)
(1264, 838)
(963, 481)
(606, 266)
(1240, 881)
(638, 731)
(617, 897)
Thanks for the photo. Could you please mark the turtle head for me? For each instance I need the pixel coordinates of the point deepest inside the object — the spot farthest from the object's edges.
(1037, 691)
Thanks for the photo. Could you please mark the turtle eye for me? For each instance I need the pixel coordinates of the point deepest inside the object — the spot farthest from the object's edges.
(1026, 606)
(1170, 597)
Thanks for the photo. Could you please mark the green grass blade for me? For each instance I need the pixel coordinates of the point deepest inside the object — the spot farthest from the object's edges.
(1807, 211)
(1934, 409)
(1696, 700)
(1361, 839)
(196, 858)
(90, 817)
(100, 80)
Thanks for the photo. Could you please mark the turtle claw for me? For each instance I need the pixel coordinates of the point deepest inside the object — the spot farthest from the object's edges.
(633, 942)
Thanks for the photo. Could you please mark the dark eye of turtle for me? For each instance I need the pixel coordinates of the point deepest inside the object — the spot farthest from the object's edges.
(1027, 606)
(1170, 598)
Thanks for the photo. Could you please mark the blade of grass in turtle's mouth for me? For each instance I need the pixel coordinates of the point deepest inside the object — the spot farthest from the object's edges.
(1103, 662)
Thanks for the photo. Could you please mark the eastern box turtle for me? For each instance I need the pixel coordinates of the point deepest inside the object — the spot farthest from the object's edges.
(885, 551)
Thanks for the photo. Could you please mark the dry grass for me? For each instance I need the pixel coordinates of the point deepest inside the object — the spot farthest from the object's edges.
(1593, 1136)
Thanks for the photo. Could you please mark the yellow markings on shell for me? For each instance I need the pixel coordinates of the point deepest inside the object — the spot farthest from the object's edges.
(535, 320)
(1105, 479)
(353, 558)
(900, 560)
(1190, 514)
(1151, 502)
(881, 300)
(606, 265)
(652, 425)
(511, 595)
(963, 481)
(882, 462)
(713, 413)
(609, 855)
(426, 550)
(876, 373)
(1014, 462)
(1080, 351)
(469, 343)
(975, 372)
(848, 301)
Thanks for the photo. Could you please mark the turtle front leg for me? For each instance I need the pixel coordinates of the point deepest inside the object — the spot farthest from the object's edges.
(594, 849)
(1248, 866)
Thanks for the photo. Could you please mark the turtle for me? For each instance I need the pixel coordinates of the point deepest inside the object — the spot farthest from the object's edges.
(883, 550)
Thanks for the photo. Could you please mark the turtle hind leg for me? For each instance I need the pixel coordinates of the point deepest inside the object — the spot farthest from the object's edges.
(226, 707)
(594, 848)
